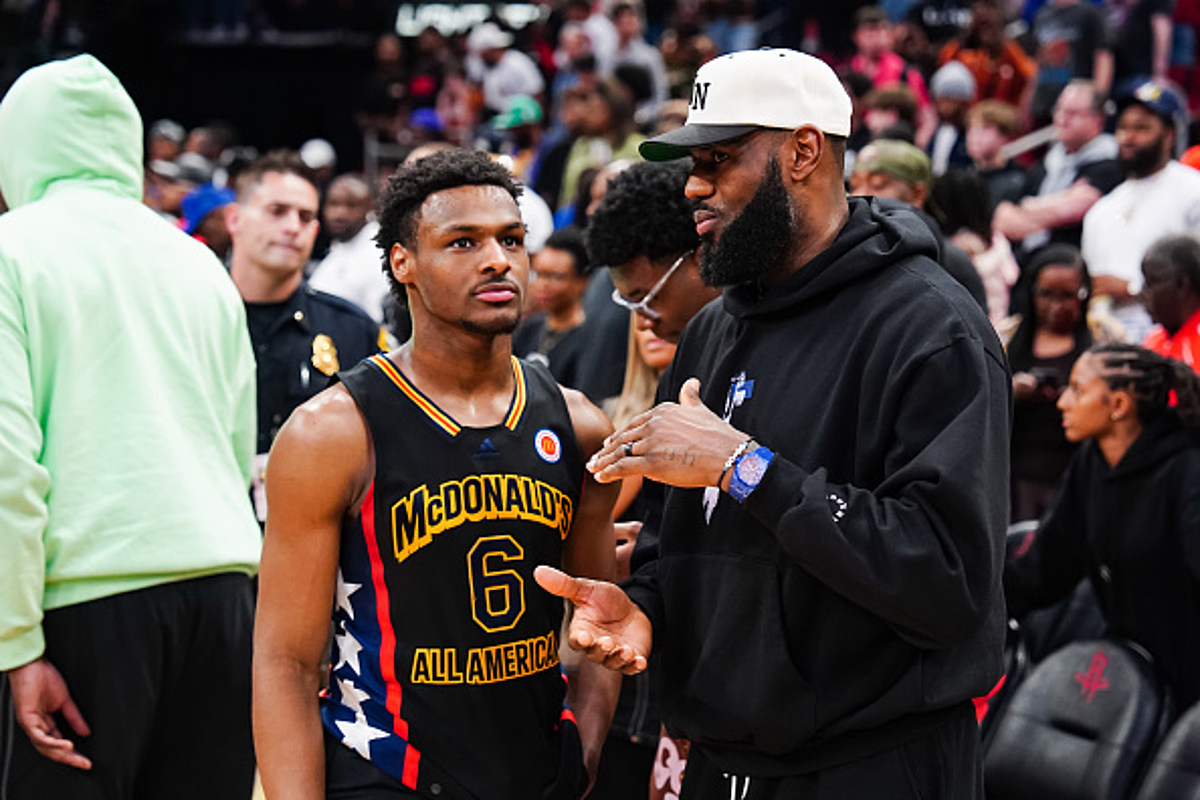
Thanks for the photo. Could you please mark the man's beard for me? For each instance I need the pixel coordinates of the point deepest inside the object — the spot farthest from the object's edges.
(757, 240)
(1145, 160)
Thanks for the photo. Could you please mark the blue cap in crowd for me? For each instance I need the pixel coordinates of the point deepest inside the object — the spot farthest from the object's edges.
(202, 201)
(1156, 98)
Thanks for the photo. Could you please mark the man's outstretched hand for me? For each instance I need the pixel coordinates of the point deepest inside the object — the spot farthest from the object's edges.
(607, 627)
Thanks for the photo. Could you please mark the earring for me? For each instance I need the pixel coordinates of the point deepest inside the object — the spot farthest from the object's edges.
(1115, 417)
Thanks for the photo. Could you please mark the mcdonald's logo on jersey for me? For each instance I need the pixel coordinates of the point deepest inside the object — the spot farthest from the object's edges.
(427, 512)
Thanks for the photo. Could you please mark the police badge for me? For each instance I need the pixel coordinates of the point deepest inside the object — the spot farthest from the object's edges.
(324, 356)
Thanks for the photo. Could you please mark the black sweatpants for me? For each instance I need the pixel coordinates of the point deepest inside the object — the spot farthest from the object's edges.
(944, 764)
(162, 677)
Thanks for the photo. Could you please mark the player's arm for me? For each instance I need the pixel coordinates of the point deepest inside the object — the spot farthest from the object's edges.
(590, 552)
(319, 467)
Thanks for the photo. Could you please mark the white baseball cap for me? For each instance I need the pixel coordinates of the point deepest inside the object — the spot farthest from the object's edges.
(488, 36)
(741, 92)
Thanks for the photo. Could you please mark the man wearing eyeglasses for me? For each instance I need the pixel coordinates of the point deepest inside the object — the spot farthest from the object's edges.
(825, 591)
(644, 231)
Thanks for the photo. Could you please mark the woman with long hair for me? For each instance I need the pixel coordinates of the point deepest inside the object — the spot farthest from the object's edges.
(647, 357)
(1128, 514)
(1053, 332)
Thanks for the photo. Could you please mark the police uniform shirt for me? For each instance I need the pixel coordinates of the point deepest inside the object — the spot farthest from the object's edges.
(299, 344)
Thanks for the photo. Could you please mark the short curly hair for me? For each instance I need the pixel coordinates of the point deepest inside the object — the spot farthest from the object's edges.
(399, 206)
(643, 213)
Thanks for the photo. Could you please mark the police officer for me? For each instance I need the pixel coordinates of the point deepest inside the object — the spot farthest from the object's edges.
(301, 336)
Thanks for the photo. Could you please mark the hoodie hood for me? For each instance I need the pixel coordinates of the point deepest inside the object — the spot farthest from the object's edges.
(877, 235)
(69, 121)
(1158, 441)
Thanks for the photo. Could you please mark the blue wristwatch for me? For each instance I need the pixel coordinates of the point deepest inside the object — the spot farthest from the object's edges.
(748, 472)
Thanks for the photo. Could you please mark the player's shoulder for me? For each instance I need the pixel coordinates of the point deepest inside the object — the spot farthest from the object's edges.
(329, 419)
(591, 425)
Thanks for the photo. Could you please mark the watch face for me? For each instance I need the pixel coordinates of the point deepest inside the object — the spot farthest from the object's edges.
(751, 468)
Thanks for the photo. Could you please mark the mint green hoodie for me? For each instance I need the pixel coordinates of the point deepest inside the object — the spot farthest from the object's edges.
(127, 386)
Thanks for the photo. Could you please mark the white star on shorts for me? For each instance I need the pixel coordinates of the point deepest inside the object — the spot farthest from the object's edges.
(359, 735)
(348, 650)
(344, 590)
(352, 696)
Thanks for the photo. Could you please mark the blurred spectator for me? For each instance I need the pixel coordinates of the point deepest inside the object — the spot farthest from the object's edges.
(204, 217)
(911, 43)
(428, 68)
(607, 132)
(605, 345)
(900, 171)
(1077, 170)
(890, 113)
(875, 58)
(671, 116)
(165, 140)
(353, 268)
(385, 93)
(992, 124)
(1050, 336)
(210, 140)
(961, 204)
(953, 91)
(1071, 43)
(321, 158)
(1171, 291)
(499, 70)
(552, 335)
(521, 122)
(633, 50)
(684, 49)
(940, 20)
(456, 107)
(1159, 196)
(601, 32)
(1127, 514)
(574, 61)
(301, 336)
(170, 181)
(1001, 69)
(730, 24)
(1140, 33)
(1191, 157)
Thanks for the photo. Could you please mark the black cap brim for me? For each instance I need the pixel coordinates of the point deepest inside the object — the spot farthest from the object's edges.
(679, 142)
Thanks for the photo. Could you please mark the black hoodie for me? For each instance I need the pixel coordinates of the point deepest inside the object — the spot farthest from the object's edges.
(854, 599)
(1134, 530)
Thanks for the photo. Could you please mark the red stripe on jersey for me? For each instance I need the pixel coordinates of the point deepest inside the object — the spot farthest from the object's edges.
(387, 648)
(412, 762)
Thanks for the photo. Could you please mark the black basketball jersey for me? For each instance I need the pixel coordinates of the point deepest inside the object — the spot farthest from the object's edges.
(445, 669)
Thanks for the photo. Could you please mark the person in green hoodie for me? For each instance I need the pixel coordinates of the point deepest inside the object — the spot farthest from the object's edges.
(127, 430)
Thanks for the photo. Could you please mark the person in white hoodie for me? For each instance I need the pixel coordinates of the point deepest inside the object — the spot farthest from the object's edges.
(126, 438)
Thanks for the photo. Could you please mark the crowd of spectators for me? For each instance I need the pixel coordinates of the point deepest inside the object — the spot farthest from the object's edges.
(1050, 145)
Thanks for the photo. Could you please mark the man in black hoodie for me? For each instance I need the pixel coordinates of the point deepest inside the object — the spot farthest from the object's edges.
(825, 593)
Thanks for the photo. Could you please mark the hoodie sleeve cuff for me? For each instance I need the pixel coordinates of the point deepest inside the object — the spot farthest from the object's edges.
(642, 589)
(780, 490)
(21, 649)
